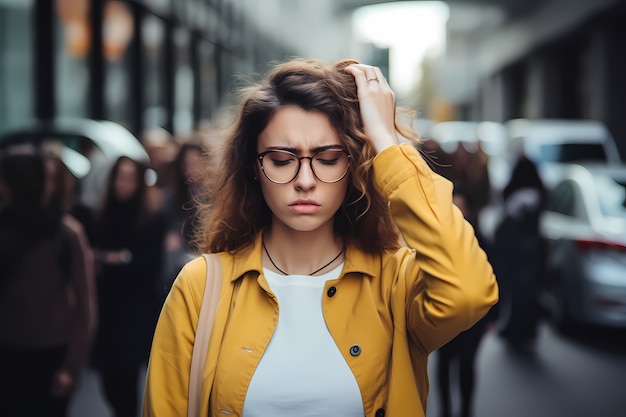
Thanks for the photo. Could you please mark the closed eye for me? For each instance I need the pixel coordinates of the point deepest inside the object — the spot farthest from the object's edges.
(279, 159)
(328, 158)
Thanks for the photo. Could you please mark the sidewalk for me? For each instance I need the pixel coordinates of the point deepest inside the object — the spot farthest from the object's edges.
(89, 398)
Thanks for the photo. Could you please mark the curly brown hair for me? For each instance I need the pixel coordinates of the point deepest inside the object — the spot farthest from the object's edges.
(232, 210)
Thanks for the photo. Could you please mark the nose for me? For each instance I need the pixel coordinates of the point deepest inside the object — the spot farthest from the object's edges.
(305, 178)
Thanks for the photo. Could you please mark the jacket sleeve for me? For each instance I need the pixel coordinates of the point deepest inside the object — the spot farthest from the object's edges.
(450, 283)
(167, 379)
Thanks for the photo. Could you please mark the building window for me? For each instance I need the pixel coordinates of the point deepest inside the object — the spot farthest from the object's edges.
(118, 33)
(183, 83)
(153, 45)
(16, 63)
(208, 76)
(73, 43)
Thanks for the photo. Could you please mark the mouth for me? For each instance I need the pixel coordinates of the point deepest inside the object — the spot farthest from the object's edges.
(304, 207)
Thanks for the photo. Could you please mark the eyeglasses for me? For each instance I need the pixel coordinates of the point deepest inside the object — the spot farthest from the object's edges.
(282, 167)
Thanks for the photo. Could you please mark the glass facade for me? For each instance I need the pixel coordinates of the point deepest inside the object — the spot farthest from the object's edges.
(208, 79)
(183, 83)
(154, 112)
(118, 32)
(16, 63)
(73, 43)
(142, 63)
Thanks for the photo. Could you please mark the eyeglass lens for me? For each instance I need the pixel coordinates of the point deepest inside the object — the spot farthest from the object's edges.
(282, 166)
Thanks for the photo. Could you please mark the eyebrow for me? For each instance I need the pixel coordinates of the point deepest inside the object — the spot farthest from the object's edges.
(314, 150)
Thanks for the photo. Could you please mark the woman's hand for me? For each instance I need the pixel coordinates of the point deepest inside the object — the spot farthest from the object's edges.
(114, 257)
(63, 383)
(377, 103)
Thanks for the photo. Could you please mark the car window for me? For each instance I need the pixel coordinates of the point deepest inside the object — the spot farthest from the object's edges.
(572, 152)
(562, 199)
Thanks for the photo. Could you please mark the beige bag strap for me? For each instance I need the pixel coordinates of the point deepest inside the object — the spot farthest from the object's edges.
(212, 288)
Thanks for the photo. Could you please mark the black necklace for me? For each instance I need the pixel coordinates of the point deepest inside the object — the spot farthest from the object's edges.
(312, 273)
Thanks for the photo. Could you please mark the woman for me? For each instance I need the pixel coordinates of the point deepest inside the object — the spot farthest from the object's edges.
(128, 239)
(180, 208)
(461, 352)
(47, 288)
(321, 312)
(519, 256)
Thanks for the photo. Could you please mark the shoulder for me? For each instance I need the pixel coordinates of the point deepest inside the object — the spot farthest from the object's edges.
(191, 282)
(73, 228)
(72, 224)
(196, 266)
(74, 235)
(192, 276)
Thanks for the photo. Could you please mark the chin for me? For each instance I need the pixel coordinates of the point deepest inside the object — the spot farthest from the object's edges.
(306, 225)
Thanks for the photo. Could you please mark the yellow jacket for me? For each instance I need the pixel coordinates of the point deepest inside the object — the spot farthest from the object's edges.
(386, 313)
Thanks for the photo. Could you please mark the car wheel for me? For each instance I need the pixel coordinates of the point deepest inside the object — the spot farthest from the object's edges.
(559, 313)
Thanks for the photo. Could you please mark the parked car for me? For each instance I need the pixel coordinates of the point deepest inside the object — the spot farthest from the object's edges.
(584, 223)
(90, 147)
(552, 144)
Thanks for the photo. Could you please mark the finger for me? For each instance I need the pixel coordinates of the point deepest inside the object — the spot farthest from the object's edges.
(374, 81)
(359, 74)
(367, 76)
(381, 78)
(372, 76)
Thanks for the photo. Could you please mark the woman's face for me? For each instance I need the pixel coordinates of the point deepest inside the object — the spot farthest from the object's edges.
(306, 203)
(192, 163)
(126, 183)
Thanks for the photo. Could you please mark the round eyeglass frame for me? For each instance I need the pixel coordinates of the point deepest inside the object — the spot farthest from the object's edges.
(261, 155)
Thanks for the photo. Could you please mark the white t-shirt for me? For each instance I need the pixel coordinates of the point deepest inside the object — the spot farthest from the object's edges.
(302, 373)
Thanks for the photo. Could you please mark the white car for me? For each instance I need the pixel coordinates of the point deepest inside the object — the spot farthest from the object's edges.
(100, 142)
(554, 143)
(584, 223)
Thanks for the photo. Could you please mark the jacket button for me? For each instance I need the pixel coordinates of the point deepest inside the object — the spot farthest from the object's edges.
(331, 291)
(355, 350)
(380, 412)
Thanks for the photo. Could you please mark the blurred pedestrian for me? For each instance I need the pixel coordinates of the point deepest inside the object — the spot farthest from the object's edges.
(456, 360)
(465, 163)
(161, 147)
(47, 289)
(128, 239)
(519, 256)
(321, 311)
(468, 165)
(179, 206)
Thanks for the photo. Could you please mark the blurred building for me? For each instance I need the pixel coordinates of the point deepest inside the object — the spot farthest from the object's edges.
(172, 63)
(537, 59)
(149, 63)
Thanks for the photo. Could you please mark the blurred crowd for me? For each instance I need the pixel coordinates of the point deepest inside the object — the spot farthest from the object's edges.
(515, 250)
(81, 285)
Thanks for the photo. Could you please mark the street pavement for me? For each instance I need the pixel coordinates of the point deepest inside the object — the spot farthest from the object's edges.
(578, 376)
(583, 376)
(89, 399)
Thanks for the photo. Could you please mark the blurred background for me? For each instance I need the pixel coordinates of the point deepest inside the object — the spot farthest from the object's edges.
(171, 64)
(493, 82)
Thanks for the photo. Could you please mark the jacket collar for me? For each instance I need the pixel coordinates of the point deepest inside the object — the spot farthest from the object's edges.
(356, 261)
